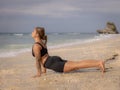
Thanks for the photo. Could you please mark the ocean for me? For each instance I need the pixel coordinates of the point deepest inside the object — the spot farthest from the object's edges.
(12, 44)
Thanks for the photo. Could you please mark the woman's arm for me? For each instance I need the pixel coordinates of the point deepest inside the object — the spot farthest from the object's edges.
(43, 68)
(37, 53)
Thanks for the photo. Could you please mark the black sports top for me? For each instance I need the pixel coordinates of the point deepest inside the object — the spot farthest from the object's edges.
(43, 50)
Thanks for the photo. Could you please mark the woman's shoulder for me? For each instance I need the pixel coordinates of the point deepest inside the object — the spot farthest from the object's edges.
(41, 44)
(37, 46)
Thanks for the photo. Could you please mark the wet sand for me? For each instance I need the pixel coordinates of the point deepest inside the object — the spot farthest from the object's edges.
(16, 72)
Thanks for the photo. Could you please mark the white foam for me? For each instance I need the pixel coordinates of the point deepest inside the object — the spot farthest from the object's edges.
(14, 53)
(18, 34)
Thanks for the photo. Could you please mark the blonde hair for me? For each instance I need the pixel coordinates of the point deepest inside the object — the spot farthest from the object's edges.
(41, 33)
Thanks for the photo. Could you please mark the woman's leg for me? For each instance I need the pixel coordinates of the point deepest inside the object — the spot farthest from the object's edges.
(72, 65)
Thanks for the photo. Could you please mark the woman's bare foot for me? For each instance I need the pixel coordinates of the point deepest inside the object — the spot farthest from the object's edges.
(102, 66)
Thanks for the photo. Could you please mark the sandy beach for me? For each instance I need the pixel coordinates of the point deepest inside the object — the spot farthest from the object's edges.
(16, 72)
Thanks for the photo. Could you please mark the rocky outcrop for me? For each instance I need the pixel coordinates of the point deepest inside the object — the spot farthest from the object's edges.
(109, 29)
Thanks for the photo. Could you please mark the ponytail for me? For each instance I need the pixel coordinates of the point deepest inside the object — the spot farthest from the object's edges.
(45, 38)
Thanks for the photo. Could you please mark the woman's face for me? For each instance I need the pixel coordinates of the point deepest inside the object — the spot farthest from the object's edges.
(34, 33)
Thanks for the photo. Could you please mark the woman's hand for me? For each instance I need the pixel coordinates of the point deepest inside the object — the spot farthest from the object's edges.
(37, 75)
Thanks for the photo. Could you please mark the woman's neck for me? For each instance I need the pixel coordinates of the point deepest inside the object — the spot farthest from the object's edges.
(37, 40)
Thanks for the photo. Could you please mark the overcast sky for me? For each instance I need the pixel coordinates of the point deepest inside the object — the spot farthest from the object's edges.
(58, 15)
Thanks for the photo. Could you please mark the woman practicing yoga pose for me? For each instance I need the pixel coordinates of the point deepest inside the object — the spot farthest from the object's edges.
(56, 63)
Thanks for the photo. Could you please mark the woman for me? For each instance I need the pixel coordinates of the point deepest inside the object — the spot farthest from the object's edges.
(43, 60)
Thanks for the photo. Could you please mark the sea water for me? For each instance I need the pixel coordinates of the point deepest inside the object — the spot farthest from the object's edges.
(12, 44)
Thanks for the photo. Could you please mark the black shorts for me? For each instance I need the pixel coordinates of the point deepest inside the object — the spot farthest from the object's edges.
(55, 63)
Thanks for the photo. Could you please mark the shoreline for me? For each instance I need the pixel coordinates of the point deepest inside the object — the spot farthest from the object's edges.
(12, 52)
(16, 72)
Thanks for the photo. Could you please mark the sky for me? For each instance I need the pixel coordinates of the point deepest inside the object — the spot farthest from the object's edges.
(58, 15)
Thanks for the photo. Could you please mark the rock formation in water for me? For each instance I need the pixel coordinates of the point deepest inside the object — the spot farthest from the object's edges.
(109, 29)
